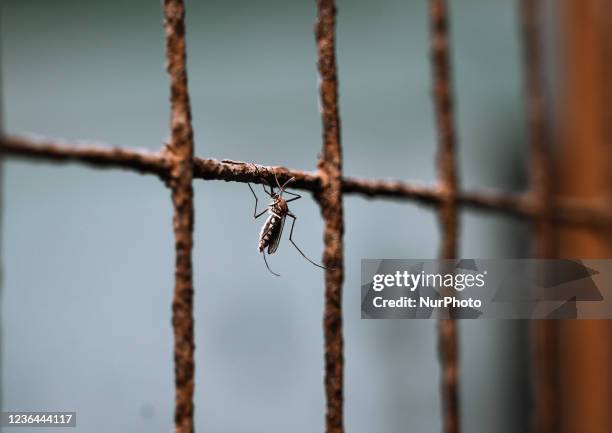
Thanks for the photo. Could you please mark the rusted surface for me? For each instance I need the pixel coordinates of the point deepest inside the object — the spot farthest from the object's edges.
(330, 199)
(545, 332)
(238, 171)
(447, 172)
(98, 155)
(566, 211)
(180, 154)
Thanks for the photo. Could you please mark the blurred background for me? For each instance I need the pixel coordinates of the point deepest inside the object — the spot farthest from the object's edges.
(88, 254)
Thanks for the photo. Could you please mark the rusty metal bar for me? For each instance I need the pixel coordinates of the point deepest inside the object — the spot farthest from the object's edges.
(544, 333)
(97, 155)
(448, 213)
(565, 211)
(330, 199)
(179, 153)
(538, 130)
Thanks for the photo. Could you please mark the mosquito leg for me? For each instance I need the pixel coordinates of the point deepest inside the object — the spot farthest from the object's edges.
(296, 196)
(255, 214)
(295, 245)
(263, 185)
(263, 253)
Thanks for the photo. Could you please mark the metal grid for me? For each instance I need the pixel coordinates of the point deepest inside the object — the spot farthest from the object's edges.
(176, 165)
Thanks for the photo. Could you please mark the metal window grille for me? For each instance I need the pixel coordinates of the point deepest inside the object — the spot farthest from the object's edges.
(177, 166)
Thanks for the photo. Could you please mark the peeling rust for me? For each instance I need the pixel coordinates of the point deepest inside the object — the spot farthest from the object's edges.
(330, 200)
(94, 154)
(180, 154)
(566, 211)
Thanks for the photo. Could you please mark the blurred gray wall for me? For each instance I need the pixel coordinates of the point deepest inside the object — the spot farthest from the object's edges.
(88, 255)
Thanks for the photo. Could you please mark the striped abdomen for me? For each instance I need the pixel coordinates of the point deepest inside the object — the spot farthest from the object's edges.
(270, 234)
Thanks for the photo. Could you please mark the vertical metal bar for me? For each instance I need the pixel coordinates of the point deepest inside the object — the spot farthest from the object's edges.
(448, 178)
(538, 128)
(582, 161)
(544, 333)
(180, 153)
(330, 199)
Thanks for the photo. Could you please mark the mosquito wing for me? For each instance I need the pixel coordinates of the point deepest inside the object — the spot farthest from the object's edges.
(275, 236)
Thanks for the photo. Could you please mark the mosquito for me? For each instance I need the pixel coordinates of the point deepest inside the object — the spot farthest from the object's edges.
(277, 210)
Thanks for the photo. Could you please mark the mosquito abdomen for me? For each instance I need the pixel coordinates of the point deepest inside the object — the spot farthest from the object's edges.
(268, 231)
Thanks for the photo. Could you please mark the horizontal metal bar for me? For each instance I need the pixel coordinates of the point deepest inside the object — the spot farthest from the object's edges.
(95, 154)
(522, 205)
